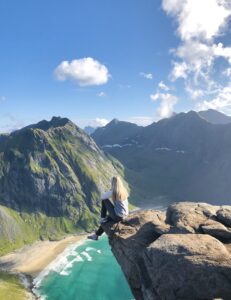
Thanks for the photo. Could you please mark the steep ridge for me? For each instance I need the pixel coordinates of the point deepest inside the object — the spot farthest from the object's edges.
(181, 253)
(182, 157)
(51, 175)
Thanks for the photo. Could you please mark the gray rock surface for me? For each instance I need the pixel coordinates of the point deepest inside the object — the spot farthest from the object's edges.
(224, 215)
(217, 230)
(183, 253)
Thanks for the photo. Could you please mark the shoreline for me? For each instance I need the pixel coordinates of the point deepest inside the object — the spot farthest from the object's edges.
(32, 259)
(29, 261)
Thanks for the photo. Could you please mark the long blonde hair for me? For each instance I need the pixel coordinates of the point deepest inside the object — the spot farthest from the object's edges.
(119, 192)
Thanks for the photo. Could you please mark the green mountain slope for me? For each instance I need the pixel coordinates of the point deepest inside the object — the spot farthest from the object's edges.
(12, 288)
(51, 178)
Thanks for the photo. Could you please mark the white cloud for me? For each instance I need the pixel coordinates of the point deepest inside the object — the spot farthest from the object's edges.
(200, 24)
(194, 93)
(155, 96)
(227, 72)
(85, 71)
(101, 94)
(179, 70)
(167, 103)
(163, 86)
(221, 102)
(2, 98)
(200, 19)
(146, 75)
(97, 122)
(197, 58)
(221, 51)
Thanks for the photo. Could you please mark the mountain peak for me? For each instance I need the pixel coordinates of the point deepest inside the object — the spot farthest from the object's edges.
(214, 116)
(53, 123)
(114, 121)
(58, 119)
(188, 117)
(193, 115)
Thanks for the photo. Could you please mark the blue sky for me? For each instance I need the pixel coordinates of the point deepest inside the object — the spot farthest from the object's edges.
(94, 60)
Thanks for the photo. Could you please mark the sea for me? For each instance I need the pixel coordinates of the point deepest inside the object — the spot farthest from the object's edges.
(84, 271)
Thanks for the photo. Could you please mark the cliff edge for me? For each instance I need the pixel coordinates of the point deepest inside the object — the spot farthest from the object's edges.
(181, 253)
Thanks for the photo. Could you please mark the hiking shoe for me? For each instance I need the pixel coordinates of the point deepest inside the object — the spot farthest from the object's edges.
(93, 237)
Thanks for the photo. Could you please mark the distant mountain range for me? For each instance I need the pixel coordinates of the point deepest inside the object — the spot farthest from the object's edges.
(185, 157)
(89, 129)
(210, 115)
(51, 177)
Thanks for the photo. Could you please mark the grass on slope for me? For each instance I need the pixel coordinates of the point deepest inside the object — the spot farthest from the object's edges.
(11, 288)
(17, 229)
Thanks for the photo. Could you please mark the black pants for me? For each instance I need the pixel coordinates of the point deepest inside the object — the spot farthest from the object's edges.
(108, 207)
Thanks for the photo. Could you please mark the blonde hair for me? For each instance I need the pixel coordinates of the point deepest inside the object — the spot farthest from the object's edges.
(119, 192)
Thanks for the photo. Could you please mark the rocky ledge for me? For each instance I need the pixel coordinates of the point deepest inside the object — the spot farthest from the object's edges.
(181, 253)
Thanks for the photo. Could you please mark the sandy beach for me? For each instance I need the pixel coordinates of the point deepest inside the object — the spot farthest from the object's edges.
(32, 259)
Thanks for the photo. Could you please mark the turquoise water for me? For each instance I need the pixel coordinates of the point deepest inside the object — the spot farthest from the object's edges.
(85, 272)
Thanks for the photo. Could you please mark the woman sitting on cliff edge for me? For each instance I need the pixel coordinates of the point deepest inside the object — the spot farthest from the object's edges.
(117, 210)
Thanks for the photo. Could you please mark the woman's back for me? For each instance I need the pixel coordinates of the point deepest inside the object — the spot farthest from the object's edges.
(121, 207)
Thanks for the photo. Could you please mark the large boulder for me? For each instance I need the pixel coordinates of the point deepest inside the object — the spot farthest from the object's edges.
(188, 266)
(224, 215)
(181, 253)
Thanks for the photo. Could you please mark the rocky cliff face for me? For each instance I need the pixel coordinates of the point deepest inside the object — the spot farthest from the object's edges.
(181, 253)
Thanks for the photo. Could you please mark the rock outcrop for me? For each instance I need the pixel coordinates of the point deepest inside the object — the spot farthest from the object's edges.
(181, 253)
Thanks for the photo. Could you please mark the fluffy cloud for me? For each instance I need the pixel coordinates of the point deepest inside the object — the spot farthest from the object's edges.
(221, 102)
(227, 72)
(198, 19)
(194, 93)
(85, 71)
(97, 122)
(221, 51)
(163, 86)
(199, 26)
(197, 58)
(167, 103)
(146, 75)
(179, 70)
